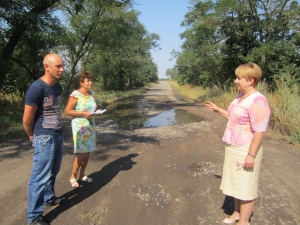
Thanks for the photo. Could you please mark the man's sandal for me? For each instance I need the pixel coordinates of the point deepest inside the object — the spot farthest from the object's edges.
(87, 179)
(74, 183)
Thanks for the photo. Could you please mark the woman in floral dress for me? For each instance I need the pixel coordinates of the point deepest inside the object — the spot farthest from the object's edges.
(248, 117)
(81, 105)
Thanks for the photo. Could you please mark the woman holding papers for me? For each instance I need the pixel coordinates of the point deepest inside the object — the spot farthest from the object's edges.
(81, 106)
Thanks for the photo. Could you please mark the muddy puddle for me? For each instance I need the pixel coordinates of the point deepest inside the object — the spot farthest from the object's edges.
(128, 117)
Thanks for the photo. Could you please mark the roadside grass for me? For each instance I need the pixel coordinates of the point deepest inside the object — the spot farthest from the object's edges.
(284, 104)
(12, 107)
(196, 94)
(104, 98)
(11, 111)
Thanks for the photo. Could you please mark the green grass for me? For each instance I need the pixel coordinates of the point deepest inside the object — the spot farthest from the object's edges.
(197, 94)
(11, 121)
(104, 98)
(285, 107)
(11, 111)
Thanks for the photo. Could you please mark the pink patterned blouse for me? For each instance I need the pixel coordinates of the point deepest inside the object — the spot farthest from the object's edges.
(246, 117)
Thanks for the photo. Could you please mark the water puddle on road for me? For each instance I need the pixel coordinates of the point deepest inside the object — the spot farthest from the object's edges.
(172, 117)
(127, 117)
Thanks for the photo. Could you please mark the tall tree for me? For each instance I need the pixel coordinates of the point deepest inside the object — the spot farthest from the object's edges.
(20, 19)
(85, 22)
(123, 59)
(107, 38)
(230, 32)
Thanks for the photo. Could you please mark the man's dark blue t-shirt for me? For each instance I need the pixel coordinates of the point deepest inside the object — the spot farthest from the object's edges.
(48, 99)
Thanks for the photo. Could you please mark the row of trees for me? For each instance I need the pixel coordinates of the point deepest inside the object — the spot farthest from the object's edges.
(102, 36)
(222, 34)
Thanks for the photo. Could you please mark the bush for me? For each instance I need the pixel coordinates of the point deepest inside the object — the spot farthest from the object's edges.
(285, 107)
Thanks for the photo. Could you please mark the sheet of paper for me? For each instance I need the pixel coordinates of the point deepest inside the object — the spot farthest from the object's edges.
(99, 111)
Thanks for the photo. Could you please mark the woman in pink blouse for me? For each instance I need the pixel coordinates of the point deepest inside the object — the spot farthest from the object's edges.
(248, 117)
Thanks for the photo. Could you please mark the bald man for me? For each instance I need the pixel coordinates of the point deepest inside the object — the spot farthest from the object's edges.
(43, 124)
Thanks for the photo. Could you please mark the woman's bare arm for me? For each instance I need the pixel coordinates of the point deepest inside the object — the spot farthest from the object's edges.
(70, 109)
(213, 107)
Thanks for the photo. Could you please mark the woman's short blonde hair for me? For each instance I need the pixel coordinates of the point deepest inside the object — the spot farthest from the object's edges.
(249, 70)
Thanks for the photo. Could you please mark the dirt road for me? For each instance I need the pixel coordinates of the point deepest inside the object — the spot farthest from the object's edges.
(167, 175)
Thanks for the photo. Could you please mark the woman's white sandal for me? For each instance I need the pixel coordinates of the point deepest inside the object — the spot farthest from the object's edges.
(87, 179)
(74, 183)
(229, 221)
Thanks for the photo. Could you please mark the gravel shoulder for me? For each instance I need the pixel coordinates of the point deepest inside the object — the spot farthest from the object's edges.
(165, 175)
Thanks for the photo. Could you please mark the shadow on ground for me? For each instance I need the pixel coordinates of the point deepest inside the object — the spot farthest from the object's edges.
(101, 178)
(228, 205)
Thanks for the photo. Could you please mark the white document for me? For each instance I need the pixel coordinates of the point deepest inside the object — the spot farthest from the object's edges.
(99, 111)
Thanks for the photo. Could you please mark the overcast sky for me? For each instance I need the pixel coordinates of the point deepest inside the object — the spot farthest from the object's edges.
(163, 17)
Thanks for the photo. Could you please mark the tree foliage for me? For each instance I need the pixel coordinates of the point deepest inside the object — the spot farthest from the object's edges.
(123, 59)
(223, 34)
(28, 30)
(103, 36)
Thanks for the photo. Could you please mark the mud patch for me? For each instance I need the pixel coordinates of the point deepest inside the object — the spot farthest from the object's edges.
(198, 169)
(152, 195)
(94, 216)
(204, 168)
(110, 131)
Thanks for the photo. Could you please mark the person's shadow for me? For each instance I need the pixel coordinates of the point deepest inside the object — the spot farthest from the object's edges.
(101, 178)
(228, 205)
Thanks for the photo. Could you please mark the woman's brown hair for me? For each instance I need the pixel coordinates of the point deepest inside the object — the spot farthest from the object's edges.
(85, 75)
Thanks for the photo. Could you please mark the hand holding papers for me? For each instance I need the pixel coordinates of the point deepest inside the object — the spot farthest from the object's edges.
(99, 111)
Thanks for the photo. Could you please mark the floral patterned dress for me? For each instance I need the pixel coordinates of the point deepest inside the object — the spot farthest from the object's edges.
(84, 135)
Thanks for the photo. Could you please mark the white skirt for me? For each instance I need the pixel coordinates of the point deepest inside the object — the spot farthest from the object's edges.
(238, 182)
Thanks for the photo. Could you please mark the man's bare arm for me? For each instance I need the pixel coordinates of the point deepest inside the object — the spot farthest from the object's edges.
(28, 119)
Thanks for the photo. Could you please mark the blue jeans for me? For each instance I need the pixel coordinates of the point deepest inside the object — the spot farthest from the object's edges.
(48, 151)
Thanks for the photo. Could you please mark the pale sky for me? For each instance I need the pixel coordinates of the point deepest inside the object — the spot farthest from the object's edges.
(163, 17)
